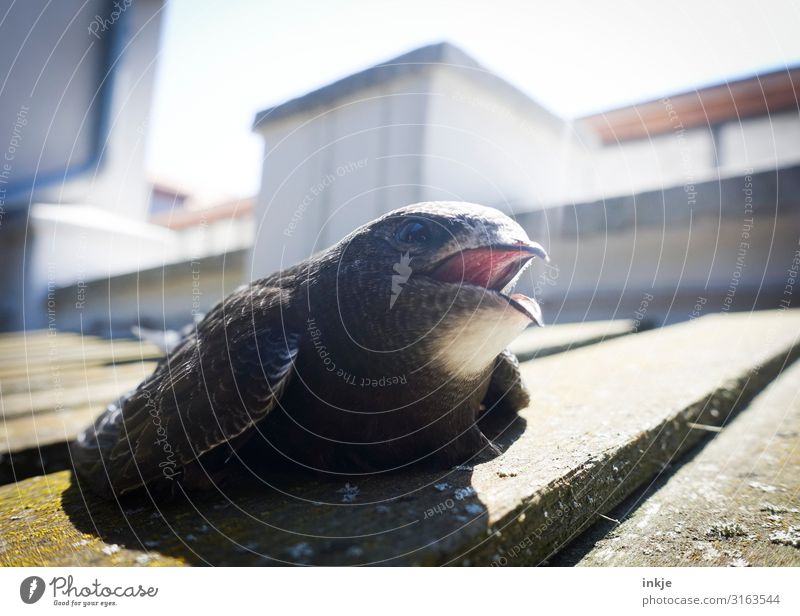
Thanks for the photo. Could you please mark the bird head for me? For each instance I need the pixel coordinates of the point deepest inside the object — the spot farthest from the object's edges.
(437, 274)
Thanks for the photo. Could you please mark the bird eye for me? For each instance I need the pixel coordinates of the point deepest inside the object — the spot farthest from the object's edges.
(413, 232)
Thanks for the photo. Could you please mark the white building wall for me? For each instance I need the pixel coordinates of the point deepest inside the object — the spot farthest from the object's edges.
(352, 156)
(76, 244)
(692, 156)
(440, 134)
(482, 147)
(648, 164)
(760, 143)
(329, 171)
(119, 183)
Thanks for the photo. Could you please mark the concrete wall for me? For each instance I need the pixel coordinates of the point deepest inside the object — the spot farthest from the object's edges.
(444, 134)
(119, 182)
(82, 82)
(655, 229)
(166, 297)
(215, 238)
(83, 79)
(483, 146)
(654, 257)
(328, 171)
(760, 143)
(78, 243)
(645, 164)
(435, 134)
(689, 157)
(55, 94)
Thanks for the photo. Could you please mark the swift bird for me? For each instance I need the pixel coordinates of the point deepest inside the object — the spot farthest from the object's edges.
(379, 352)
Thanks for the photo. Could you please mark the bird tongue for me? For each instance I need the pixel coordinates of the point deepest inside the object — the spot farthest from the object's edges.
(488, 267)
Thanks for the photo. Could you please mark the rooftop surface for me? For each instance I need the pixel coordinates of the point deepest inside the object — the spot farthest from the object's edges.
(609, 419)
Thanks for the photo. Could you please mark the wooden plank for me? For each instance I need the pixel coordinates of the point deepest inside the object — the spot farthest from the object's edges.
(44, 536)
(75, 395)
(14, 365)
(540, 342)
(605, 419)
(23, 431)
(734, 504)
(35, 425)
(42, 345)
(34, 431)
(34, 335)
(71, 376)
(35, 444)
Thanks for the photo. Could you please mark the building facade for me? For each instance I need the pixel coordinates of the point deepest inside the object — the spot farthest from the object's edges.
(646, 210)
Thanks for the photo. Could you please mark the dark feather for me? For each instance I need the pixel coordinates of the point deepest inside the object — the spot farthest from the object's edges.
(222, 378)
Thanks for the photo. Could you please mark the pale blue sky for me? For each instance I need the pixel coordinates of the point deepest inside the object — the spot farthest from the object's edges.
(221, 62)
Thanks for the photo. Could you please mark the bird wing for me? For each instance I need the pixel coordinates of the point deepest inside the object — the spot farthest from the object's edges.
(222, 378)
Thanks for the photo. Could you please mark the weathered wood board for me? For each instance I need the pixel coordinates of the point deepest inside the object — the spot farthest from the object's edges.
(540, 342)
(73, 377)
(51, 386)
(735, 503)
(69, 394)
(46, 404)
(37, 354)
(76, 394)
(605, 419)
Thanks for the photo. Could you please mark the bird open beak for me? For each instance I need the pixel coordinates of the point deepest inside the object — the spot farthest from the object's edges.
(495, 268)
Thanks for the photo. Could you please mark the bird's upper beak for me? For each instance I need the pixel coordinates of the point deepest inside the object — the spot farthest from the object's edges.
(495, 267)
(492, 267)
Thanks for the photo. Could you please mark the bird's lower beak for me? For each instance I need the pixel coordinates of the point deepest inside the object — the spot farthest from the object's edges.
(528, 306)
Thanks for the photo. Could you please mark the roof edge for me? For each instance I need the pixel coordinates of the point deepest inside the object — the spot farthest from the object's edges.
(405, 64)
(442, 54)
(714, 85)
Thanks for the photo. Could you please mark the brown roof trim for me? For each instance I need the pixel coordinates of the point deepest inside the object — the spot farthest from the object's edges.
(757, 95)
(168, 190)
(183, 219)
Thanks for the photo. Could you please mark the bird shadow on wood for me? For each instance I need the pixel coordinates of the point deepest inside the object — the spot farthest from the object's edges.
(416, 516)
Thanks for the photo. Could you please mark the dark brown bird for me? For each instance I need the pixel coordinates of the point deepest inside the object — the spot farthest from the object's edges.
(374, 354)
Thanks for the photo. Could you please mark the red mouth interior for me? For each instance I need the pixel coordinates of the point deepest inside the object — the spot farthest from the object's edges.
(488, 267)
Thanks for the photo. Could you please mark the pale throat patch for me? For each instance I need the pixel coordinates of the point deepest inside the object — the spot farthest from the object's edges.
(472, 345)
